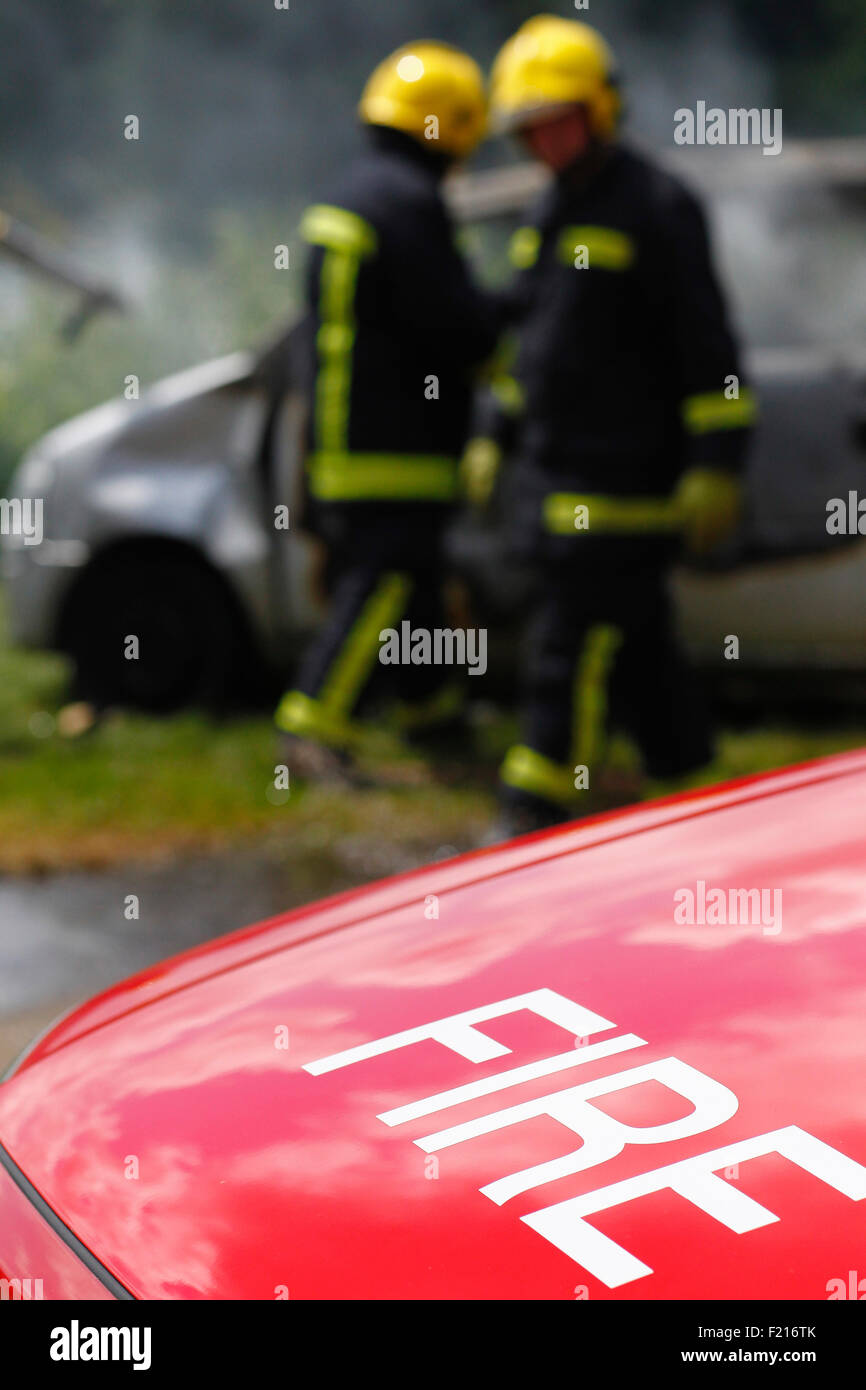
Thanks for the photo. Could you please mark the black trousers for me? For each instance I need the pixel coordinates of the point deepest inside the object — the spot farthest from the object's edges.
(602, 651)
(384, 568)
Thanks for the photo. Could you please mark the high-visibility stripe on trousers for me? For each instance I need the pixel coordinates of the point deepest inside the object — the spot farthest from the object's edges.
(602, 650)
(384, 568)
(341, 663)
(527, 770)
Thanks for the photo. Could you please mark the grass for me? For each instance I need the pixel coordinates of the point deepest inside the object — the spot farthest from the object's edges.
(135, 787)
(140, 787)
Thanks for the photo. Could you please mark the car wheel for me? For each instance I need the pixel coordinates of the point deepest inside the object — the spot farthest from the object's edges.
(153, 632)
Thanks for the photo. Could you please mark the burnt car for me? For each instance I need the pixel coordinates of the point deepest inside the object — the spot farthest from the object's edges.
(160, 513)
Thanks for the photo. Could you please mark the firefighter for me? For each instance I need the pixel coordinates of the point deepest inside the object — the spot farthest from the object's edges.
(393, 334)
(634, 420)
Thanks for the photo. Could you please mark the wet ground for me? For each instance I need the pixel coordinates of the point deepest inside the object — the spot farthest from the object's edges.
(65, 936)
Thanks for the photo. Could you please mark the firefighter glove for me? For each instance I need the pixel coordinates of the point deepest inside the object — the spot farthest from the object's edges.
(478, 470)
(708, 502)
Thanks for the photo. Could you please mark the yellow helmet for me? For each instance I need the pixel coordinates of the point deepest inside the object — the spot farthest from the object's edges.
(432, 91)
(550, 63)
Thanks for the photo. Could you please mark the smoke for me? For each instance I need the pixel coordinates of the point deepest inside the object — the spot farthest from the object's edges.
(241, 103)
(237, 101)
(708, 58)
(794, 263)
(246, 112)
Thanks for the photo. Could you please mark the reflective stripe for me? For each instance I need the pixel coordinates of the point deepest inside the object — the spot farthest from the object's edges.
(532, 772)
(592, 677)
(509, 394)
(326, 717)
(606, 247)
(348, 675)
(346, 477)
(347, 239)
(523, 247)
(713, 410)
(609, 515)
(335, 341)
(300, 714)
(324, 225)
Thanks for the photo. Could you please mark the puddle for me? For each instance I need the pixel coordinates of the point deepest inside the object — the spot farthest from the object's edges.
(66, 936)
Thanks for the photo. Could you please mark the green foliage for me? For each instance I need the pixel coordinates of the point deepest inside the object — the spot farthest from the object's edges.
(135, 787)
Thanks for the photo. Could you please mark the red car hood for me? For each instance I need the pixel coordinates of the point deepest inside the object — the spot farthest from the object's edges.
(621, 1059)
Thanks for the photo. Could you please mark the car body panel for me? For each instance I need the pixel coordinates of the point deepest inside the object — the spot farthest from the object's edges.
(36, 1263)
(792, 592)
(182, 463)
(195, 1155)
(177, 465)
(184, 470)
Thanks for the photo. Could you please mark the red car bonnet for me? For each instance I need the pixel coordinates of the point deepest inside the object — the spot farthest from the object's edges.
(622, 1059)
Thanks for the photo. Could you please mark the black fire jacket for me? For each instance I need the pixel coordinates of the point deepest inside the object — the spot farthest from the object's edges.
(628, 367)
(393, 333)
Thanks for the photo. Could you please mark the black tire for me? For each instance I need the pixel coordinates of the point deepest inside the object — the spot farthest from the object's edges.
(191, 639)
